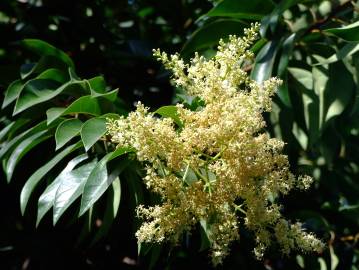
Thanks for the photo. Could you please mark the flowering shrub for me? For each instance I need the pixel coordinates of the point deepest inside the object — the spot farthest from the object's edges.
(216, 165)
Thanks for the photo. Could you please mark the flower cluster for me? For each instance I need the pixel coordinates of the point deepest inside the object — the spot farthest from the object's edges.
(218, 168)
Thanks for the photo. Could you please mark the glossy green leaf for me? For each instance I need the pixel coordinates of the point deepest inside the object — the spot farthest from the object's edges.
(271, 20)
(6, 130)
(245, 9)
(349, 32)
(47, 198)
(43, 48)
(112, 205)
(83, 105)
(170, 111)
(12, 92)
(46, 62)
(67, 130)
(38, 175)
(339, 92)
(209, 35)
(19, 152)
(10, 145)
(55, 75)
(99, 180)
(70, 188)
(92, 130)
(348, 50)
(54, 113)
(263, 66)
(41, 90)
(97, 84)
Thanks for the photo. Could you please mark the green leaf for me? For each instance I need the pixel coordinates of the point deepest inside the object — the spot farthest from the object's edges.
(263, 66)
(47, 198)
(6, 130)
(271, 20)
(348, 50)
(112, 205)
(55, 75)
(84, 105)
(170, 111)
(41, 90)
(38, 175)
(97, 85)
(339, 91)
(287, 49)
(12, 92)
(209, 35)
(92, 130)
(99, 180)
(245, 9)
(19, 152)
(348, 33)
(70, 188)
(67, 130)
(54, 113)
(8, 146)
(46, 62)
(43, 48)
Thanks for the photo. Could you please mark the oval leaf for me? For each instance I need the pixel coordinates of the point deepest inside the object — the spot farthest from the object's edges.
(67, 130)
(92, 130)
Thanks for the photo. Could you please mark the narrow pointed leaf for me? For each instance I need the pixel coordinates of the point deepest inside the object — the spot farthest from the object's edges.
(112, 205)
(38, 175)
(43, 48)
(348, 33)
(70, 188)
(12, 92)
(99, 180)
(25, 146)
(47, 198)
(41, 90)
(83, 105)
(6, 148)
(263, 66)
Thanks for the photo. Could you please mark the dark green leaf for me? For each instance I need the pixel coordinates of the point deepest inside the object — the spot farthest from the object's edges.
(92, 130)
(70, 188)
(99, 180)
(42, 48)
(348, 33)
(38, 175)
(112, 205)
(209, 35)
(245, 9)
(67, 130)
(47, 198)
(170, 111)
(19, 152)
(263, 66)
(8, 146)
(97, 84)
(41, 90)
(84, 105)
(348, 50)
(12, 92)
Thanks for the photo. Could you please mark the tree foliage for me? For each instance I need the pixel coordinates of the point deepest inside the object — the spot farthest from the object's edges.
(59, 163)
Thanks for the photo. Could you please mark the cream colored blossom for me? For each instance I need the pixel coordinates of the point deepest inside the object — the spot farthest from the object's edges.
(219, 156)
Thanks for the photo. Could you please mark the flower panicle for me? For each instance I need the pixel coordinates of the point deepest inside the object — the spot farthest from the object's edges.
(220, 156)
